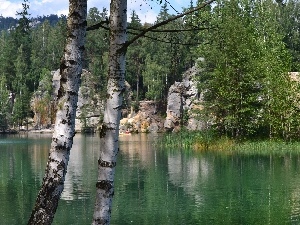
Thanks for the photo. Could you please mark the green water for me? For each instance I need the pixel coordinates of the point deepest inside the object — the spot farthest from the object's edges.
(153, 186)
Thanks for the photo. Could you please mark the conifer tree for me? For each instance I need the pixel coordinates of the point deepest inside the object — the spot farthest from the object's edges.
(245, 64)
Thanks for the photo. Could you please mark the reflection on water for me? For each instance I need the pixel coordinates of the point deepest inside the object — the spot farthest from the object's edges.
(138, 147)
(153, 186)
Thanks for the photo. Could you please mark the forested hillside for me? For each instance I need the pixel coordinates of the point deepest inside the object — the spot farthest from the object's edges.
(8, 23)
(248, 49)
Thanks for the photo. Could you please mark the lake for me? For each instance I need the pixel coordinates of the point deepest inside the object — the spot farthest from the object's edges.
(153, 186)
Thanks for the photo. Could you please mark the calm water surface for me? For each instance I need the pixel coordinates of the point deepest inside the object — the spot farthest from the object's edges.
(153, 186)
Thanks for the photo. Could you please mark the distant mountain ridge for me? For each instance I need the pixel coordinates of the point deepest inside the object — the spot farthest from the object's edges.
(7, 23)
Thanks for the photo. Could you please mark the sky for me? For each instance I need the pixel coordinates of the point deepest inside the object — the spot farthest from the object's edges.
(146, 9)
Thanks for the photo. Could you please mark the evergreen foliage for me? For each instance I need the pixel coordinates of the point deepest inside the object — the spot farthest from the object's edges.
(246, 81)
(97, 50)
(246, 49)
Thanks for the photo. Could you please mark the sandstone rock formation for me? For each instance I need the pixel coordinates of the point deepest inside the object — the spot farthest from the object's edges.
(146, 120)
(184, 103)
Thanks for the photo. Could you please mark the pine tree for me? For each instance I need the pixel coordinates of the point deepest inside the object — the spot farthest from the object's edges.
(4, 105)
(245, 55)
(97, 50)
(135, 58)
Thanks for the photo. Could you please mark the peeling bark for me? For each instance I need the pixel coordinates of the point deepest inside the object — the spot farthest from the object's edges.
(110, 128)
(64, 131)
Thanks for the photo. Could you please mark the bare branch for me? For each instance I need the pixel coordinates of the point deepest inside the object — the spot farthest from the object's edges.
(167, 42)
(172, 6)
(141, 34)
(98, 25)
(170, 31)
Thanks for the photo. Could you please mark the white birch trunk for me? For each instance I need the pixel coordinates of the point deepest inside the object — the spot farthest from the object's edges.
(109, 132)
(110, 128)
(62, 140)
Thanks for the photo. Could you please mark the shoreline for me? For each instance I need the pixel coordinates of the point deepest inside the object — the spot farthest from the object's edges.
(40, 131)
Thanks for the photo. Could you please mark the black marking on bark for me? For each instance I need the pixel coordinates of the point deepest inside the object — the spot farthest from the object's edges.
(61, 148)
(54, 160)
(81, 48)
(63, 79)
(103, 129)
(63, 121)
(60, 92)
(73, 62)
(118, 107)
(100, 221)
(57, 177)
(75, 15)
(83, 24)
(61, 166)
(68, 114)
(105, 185)
(106, 164)
(72, 93)
(63, 66)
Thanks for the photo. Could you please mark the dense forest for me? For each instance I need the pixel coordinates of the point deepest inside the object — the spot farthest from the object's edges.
(245, 49)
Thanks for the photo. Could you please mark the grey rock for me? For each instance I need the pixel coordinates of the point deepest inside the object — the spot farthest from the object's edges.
(181, 98)
(89, 105)
(153, 128)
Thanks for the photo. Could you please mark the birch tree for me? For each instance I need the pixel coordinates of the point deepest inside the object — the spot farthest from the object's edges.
(62, 140)
(110, 128)
(109, 131)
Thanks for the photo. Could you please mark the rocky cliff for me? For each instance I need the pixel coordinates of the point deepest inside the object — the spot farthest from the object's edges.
(89, 107)
(148, 119)
(183, 106)
(184, 103)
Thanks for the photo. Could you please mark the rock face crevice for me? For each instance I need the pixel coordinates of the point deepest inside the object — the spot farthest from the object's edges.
(184, 104)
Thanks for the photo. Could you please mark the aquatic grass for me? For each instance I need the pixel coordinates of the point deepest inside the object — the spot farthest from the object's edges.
(220, 144)
(201, 141)
(267, 147)
(187, 140)
(176, 140)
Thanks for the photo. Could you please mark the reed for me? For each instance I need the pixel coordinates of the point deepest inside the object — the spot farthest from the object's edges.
(267, 147)
(197, 140)
(221, 144)
(209, 141)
